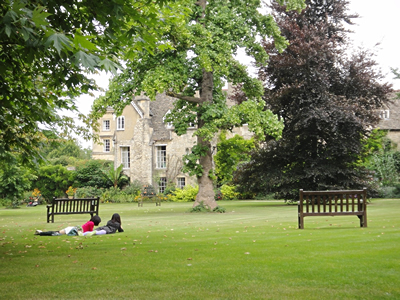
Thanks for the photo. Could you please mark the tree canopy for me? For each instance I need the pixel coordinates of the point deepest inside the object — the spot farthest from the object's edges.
(47, 50)
(202, 56)
(326, 99)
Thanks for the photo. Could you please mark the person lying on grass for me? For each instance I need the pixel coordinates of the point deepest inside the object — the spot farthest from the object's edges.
(73, 230)
(112, 226)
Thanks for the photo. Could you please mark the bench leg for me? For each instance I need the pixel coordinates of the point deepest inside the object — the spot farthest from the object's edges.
(363, 220)
(301, 221)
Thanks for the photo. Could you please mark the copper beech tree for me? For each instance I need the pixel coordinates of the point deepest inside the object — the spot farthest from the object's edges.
(327, 99)
(202, 57)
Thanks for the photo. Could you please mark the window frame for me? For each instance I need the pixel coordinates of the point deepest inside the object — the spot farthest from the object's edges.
(161, 156)
(106, 125)
(384, 114)
(162, 184)
(125, 161)
(106, 145)
(121, 123)
(179, 185)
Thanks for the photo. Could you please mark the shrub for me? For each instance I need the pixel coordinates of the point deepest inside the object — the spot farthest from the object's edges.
(199, 208)
(247, 195)
(4, 202)
(53, 181)
(88, 192)
(90, 174)
(109, 195)
(134, 188)
(229, 192)
(219, 209)
(389, 192)
(187, 194)
(122, 197)
(169, 190)
(218, 195)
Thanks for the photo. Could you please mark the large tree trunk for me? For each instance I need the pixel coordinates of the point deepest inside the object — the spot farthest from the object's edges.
(206, 189)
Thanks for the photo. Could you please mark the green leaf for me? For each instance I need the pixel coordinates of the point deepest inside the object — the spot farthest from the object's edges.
(81, 41)
(109, 65)
(8, 30)
(59, 41)
(39, 16)
(87, 60)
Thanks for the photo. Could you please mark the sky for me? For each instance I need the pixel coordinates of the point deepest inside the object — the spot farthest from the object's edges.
(376, 29)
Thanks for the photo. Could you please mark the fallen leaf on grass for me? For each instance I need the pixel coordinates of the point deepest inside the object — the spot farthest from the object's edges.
(247, 253)
(75, 261)
(123, 248)
(190, 258)
(94, 268)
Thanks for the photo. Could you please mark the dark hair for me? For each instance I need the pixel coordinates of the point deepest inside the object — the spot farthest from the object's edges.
(116, 218)
(96, 220)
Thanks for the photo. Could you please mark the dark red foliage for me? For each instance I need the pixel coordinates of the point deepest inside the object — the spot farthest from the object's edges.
(327, 100)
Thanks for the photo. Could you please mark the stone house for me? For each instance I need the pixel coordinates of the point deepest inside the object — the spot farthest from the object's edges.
(145, 144)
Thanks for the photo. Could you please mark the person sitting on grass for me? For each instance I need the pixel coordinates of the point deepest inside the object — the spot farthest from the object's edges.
(112, 226)
(73, 230)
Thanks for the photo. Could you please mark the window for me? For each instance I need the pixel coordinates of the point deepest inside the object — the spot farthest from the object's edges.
(384, 114)
(181, 182)
(121, 123)
(169, 125)
(161, 154)
(125, 157)
(106, 125)
(162, 184)
(106, 145)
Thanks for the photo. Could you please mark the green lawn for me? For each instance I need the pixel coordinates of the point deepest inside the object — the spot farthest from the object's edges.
(253, 251)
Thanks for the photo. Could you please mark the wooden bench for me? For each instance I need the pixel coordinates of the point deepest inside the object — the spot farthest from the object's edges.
(149, 198)
(333, 203)
(65, 206)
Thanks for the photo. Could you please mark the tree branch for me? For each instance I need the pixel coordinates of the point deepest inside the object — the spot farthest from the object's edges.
(186, 98)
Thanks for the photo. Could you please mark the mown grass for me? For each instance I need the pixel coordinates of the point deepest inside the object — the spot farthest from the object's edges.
(254, 251)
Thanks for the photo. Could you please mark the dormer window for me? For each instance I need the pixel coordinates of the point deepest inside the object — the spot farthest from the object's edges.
(169, 125)
(384, 114)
